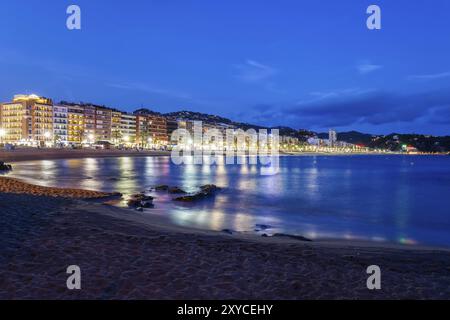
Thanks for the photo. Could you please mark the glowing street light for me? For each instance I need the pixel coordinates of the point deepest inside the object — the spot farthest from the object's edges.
(91, 138)
(47, 135)
(126, 138)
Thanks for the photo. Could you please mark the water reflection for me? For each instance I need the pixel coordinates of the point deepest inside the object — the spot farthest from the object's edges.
(373, 198)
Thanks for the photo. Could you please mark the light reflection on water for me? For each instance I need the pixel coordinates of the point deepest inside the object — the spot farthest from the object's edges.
(395, 198)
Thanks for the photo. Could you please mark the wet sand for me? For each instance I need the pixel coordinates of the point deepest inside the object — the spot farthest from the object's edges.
(123, 256)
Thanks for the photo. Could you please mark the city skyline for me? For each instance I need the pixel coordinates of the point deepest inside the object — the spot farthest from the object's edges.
(296, 64)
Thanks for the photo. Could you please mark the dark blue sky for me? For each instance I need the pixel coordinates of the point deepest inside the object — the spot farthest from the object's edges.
(306, 64)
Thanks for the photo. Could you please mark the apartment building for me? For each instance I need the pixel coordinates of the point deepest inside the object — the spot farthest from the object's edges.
(128, 128)
(60, 125)
(27, 120)
(116, 121)
(103, 124)
(75, 125)
(89, 123)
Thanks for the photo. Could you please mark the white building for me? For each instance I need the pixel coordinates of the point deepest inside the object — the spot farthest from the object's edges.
(128, 128)
(60, 125)
(332, 137)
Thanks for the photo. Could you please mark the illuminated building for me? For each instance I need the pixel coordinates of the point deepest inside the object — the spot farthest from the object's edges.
(116, 122)
(128, 128)
(27, 120)
(103, 124)
(60, 124)
(75, 127)
(151, 129)
(89, 123)
(332, 137)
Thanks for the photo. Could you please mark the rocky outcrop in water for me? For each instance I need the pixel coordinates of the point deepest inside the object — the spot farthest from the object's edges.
(162, 187)
(5, 167)
(140, 200)
(206, 191)
(175, 190)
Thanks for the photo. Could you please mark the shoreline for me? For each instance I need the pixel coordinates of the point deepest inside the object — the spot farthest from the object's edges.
(28, 154)
(83, 196)
(121, 257)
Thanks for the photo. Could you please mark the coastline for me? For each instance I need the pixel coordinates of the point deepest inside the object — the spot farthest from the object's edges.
(126, 255)
(28, 154)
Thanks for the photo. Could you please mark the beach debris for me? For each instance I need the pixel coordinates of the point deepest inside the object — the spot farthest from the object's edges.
(206, 191)
(140, 200)
(5, 167)
(228, 231)
(175, 190)
(264, 235)
(140, 209)
(285, 235)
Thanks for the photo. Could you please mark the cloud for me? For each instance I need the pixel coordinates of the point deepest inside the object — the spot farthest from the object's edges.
(428, 77)
(373, 107)
(254, 72)
(366, 67)
(356, 107)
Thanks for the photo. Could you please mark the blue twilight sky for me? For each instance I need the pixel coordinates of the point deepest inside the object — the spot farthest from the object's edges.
(302, 63)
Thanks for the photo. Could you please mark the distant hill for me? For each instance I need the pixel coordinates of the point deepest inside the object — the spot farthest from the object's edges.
(353, 137)
(208, 118)
(395, 141)
(424, 143)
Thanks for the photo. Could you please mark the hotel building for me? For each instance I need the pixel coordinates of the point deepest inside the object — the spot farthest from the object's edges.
(75, 127)
(60, 125)
(103, 124)
(89, 124)
(128, 128)
(116, 123)
(28, 120)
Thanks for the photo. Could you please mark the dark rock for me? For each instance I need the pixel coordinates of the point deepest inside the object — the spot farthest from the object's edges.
(140, 200)
(284, 235)
(227, 231)
(5, 167)
(175, 190)
(140, 209)
(162, 187)
(264, 235)
(147, 204)
(206, 191)
(133, 203)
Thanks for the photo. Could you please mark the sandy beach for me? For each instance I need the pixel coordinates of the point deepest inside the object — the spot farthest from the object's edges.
(123, 256)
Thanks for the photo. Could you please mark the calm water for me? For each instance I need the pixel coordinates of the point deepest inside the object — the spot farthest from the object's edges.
(402, 199)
